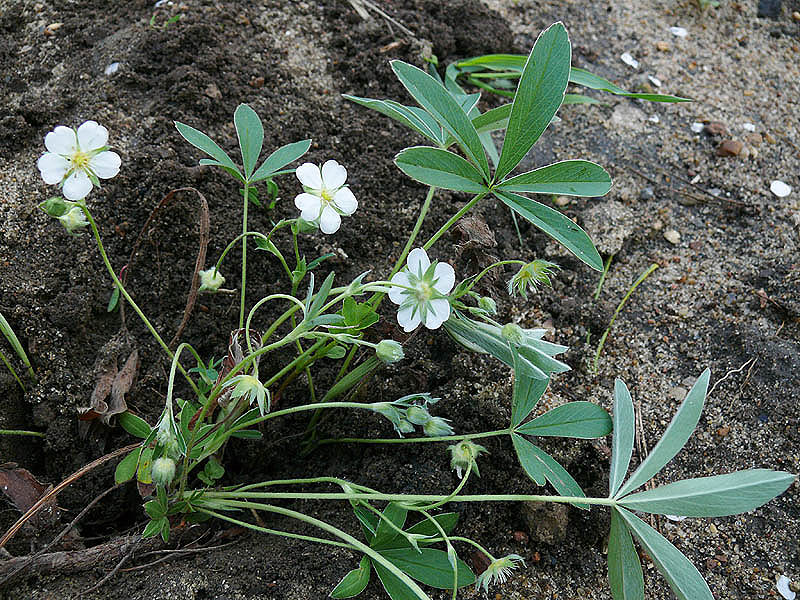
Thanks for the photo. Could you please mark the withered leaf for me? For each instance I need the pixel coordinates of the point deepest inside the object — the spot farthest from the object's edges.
(24, 490)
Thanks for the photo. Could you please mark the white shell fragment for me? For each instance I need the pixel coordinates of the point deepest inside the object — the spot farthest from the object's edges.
(748, 127)
(783, 588)
(678, 31)
(675, 518)
(780, 189)
(654, 119)
(654, 80)
(111, 69)
(629, 60)
(697, 127)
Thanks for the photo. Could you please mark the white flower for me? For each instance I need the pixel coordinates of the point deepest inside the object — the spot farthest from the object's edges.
(421, 291)
(76, 159)
(326, 197)
(498, 571)
(250, 387)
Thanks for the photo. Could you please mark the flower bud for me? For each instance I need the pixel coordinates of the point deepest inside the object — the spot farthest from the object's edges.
(513, 333)
(437, 427)
(163, 471)
(487, 304)
(74, 220)
(389, 351)
(463, 454)
(210, 280)
(403, 426)
(418, 415)
(56, 206)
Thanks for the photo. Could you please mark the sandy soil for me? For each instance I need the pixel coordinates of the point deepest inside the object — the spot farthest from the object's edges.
(727, 290)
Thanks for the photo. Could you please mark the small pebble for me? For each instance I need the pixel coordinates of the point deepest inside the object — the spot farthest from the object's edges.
(796, 16)
(654, 80)
(672, 236)
(780, 189)
(678, 31)
(647, 194)
(111, 69)
(748, 127)
(730, 148)
(675, 518)
(52, 28)
(716, 128)
(629, 60)
(697, 127)
(561, 200)
(662, 46)
(654, 119)
(754, 139)
(783, 588)
(723, 431)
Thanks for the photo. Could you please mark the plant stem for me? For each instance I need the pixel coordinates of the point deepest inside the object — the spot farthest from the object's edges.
(244, 253)
(447, 438)
(130, 301)
(21, 432)
(444, 228)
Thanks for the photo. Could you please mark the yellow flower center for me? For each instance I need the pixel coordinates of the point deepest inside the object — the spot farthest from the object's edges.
(326, 196)
(424, 292)
(79, 160)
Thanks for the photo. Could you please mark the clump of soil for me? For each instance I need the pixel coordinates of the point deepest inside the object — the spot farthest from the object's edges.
(725, 292)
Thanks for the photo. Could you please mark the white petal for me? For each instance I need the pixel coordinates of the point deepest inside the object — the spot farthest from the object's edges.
(92, 136)
(309, 176)
(61, 140)
(438, 312)
(105, 165)
(333, 175)
(408, 317)
(345, 201)
(330, 220)
(307, 202)
(398, 295)
(77, 186)
(418, 261)
(53, 167)
(446, 278)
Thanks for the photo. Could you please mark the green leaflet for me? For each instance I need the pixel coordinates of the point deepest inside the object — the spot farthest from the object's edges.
(566, 178)
(396, 588)
(542, 467)
(126, 468)
(539, 95)
(201, 141)
(134, 425)
(251, 136)
(429, 566)
(385, 534)
(440, 168)
(674, 438)
(582, 420)
(595, 82)
(622, 441)
(354, 582)
(410, 116)
(624, 569)
(681, 575)
(556, 225)
(527, 391)
(435, 99)
(280, 158)
(716, 496)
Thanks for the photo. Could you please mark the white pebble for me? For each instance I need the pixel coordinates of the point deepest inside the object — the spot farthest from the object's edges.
(629, 60)
(678, 31)
(748, 127)
(697, 127)
(783, 588)
(654, 119)
(112, 68)
(654, 80)
(675, 518)
(780, 189)
(672, 236)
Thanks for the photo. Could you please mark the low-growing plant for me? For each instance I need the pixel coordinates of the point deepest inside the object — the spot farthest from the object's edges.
(406, 541)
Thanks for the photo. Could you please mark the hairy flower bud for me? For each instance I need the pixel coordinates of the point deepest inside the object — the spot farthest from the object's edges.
(163, 471)
(389, 351)
(437, 427)
(513, 333)
(210, 280)
(463, 454)
(488, 304)
(74, 220)
(418, 415)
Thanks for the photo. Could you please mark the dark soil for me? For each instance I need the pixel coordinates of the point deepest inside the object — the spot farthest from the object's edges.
(291, 62)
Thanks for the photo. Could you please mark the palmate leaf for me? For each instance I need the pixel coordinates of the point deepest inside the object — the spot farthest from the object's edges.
(622, 441)
(674, 438)
(541, 467)
(582, 420)
(681, 575)
(565, 178)
(716, 496)
(539, 94)
(436, 100)
(440, 168)
(556, 225)
(624, 569)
